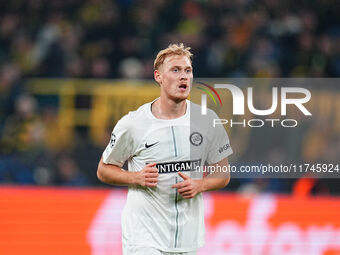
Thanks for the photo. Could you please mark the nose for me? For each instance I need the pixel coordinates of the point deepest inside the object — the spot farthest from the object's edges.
(184, 76)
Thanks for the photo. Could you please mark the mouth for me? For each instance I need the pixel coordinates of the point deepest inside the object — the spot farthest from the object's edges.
(183, 86)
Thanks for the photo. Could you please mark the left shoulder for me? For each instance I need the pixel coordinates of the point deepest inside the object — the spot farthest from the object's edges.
(195, 110)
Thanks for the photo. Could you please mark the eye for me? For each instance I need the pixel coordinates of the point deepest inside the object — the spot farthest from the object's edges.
(175, 70)
(188, 70)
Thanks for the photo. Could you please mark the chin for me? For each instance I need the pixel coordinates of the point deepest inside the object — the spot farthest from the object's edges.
(179, 99)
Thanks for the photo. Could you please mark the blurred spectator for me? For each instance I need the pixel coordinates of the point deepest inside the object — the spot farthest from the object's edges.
(23, 130)
(22, 141)
(68, 172)
(100, 68)
(131, 68)
(48, 53)
(10, 87)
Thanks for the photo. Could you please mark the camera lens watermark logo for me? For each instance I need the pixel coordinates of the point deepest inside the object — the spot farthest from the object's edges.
(204, 96)
(296, 96)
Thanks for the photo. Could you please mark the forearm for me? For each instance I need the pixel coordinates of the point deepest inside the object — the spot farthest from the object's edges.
(212, 182)
(114, 175)
(216, 180)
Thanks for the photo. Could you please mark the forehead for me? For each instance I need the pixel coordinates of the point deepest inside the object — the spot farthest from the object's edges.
(177, 60)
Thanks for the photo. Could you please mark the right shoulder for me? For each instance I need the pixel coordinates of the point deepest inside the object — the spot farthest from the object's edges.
(135, 119)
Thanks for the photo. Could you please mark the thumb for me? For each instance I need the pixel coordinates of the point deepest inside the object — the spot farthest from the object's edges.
(151, 164)
(184, 176)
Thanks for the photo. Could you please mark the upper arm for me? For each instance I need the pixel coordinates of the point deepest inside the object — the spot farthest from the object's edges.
(121, 145)
(219, 146)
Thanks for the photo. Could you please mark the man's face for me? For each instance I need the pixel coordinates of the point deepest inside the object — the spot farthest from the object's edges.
(175, 77)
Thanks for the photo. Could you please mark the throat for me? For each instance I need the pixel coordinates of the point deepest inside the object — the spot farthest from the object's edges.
(168, 110)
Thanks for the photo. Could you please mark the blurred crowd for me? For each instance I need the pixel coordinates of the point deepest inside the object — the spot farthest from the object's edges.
(119, 39)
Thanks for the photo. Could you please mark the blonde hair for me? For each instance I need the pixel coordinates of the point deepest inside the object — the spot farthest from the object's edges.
(171, 50)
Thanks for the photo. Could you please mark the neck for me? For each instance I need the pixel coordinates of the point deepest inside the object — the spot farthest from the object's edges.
(166, 109)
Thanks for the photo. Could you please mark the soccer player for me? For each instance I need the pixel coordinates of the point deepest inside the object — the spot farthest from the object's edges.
(166, 142)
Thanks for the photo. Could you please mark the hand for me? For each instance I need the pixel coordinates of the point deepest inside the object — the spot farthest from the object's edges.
(148, 176)
(188, 188)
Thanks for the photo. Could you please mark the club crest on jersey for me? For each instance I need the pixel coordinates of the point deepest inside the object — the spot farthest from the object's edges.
(112, 140)
(196, 138)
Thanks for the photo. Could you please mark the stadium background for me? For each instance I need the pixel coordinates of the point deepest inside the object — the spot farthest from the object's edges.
(70, 69)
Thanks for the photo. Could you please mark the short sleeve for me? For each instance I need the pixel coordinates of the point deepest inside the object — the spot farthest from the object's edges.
(219, 147)
(121, 144)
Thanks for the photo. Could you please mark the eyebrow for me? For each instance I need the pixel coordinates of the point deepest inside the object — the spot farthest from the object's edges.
(181, 67)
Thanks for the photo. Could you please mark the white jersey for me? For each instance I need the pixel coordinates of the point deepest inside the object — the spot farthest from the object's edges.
(159, 217)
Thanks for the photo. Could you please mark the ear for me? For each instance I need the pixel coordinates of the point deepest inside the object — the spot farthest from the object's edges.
(157, 76)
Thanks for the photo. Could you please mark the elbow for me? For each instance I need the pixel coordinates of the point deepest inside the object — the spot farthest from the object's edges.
(100, 174)
(225, 182)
